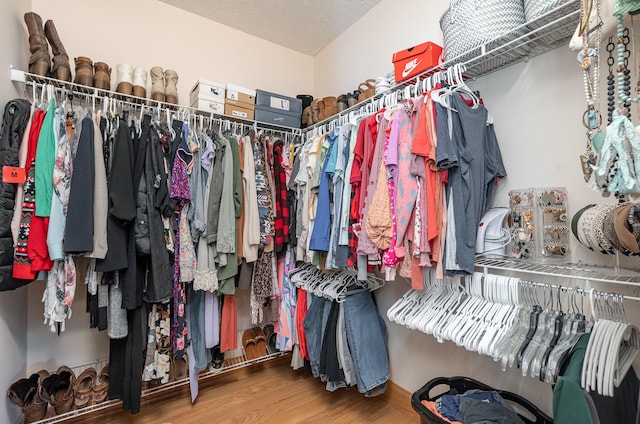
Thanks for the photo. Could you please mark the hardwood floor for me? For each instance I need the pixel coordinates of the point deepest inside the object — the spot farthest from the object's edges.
(269, 393)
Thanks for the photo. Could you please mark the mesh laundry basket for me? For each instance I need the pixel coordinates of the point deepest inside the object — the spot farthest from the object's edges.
(527, 411)
(467, 24)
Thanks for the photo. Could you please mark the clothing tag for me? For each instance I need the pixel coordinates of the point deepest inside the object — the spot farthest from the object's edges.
(13, 175)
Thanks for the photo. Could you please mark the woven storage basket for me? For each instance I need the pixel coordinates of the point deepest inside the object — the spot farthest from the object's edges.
(533, 9)
(467, 24)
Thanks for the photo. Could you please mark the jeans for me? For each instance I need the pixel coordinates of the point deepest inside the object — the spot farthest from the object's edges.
(314, 324)
(366, 332)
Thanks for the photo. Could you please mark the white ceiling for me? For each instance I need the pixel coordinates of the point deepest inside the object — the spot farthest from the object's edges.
(307, 26)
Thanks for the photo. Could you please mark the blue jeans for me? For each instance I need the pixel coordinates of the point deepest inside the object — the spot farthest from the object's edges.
(366, 332)
(314, 325)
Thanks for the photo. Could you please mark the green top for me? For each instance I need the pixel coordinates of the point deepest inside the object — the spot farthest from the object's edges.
(569, 402)
(45, 159)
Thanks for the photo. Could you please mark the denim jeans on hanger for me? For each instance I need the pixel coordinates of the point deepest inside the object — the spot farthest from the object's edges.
(367, 331)
(314, 325)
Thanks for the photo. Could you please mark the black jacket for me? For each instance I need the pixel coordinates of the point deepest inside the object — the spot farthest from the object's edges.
(14, 121)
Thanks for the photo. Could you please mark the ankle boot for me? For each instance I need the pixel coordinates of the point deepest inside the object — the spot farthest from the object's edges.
(57, 389)
(124, 83)
(330, 106)
(342, 103)
(102, 78)
(61, 69)
(24, 394)
(140, 82)
(321, 110)
(40, 61)
(315, 111)
(157, 83)
(171, 86)
(84, 71)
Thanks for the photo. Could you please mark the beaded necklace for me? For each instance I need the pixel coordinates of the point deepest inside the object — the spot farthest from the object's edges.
(590, 64)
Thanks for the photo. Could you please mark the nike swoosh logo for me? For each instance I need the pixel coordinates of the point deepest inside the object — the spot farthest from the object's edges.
(409, 67)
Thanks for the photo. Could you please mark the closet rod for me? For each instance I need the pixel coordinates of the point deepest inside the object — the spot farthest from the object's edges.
(97, 94)
(573, 271)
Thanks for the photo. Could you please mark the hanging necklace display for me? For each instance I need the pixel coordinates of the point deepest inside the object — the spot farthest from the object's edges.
(611, 85)
(590, 64)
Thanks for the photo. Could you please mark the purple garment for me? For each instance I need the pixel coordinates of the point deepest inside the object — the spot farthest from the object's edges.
(212, 320)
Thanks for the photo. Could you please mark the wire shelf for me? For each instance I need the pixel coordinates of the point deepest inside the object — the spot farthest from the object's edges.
(233, 360)
(586, 273)
(98, 95)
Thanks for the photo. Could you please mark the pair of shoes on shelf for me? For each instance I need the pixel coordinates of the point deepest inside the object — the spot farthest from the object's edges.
(24, 393)
(217, 360)
(40, 61)
(367, 89)
(96, 75)
(131, 81)
(57, 389)
(324, 108)
(91, 387)
(164, 85)
(270, 335)
(179, 367)
(382, 84)
(254, 342)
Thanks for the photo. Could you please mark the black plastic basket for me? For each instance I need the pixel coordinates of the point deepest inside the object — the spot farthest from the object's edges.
(529, 413)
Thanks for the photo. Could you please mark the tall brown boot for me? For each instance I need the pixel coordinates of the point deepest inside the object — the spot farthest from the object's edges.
(330, 106)
(61, 69)
(171, 86)
(84, 71)
(40, 61)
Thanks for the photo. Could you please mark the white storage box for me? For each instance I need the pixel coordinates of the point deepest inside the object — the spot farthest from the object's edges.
(207, 105)
(241, 94)
(207, 90)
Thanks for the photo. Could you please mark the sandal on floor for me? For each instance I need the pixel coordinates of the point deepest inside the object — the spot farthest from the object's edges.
(270, 336)
(249, 343)
(260, 341)
(101, 386)
(181, 367)
(84, 388)
(218, 357)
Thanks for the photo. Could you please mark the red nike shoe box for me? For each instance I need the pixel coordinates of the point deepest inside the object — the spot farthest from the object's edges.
(416, 60)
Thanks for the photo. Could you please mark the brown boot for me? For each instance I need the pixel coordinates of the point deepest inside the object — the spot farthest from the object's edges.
(171, 86)
(57, 389)
(157, 83)
(24, 394)
(330, 106)
(61, 69)
(84, 71)
(315, 110)
(40, 61)
(102, 78)
(307, 117)
(321, 110)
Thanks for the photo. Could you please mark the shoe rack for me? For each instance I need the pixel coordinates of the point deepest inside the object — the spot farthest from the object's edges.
(98, 97)
(549, 31)
(234, 360)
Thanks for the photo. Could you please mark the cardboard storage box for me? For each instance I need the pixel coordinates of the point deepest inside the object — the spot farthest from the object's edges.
(207, 90)
(415, 60)
(275, 116)
(238, 111)
(241, 94)
(279, 102)
(207, 105)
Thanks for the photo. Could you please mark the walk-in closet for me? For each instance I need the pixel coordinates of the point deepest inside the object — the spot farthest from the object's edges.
(330, 211)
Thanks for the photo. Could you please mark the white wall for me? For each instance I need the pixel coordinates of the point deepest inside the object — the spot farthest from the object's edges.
(149, 33)
(13, 305)
(537, 109)
(365, 49)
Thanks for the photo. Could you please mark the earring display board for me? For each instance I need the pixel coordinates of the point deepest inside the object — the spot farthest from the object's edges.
(538, 222)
